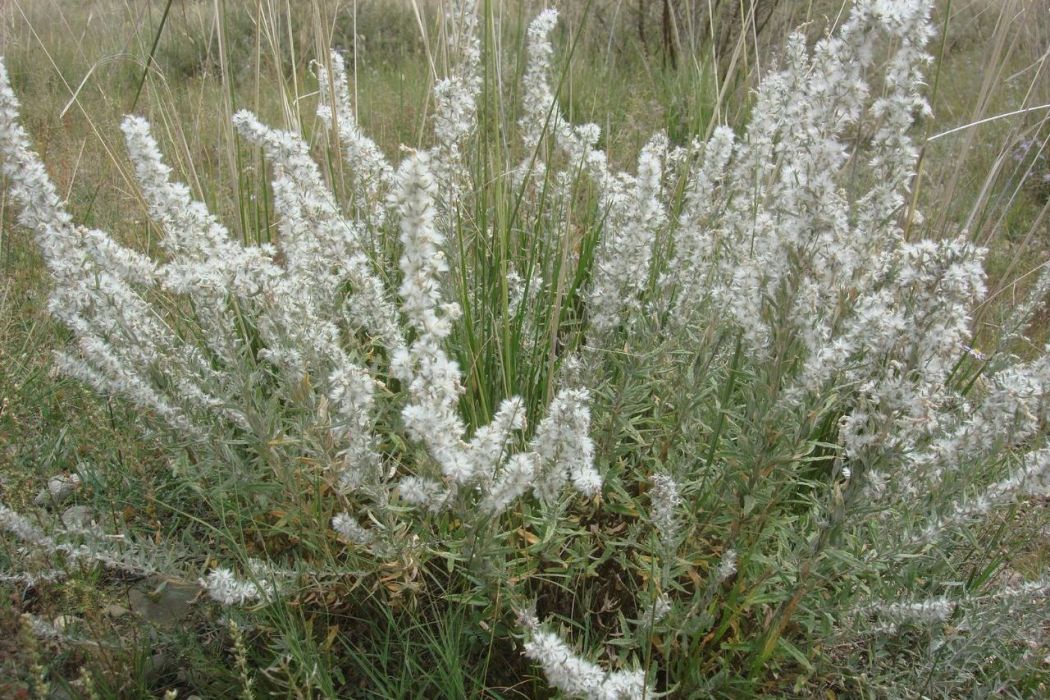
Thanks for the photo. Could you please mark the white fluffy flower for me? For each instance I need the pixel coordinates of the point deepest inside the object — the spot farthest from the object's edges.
(634, 214)
(574, 675)
(348, 526)
(726, 567)
(564, 447)
(422, 492)
(225, 587)
(455, 96)
(893, 615)
(516, 478)
(665, 500)
(370, 171)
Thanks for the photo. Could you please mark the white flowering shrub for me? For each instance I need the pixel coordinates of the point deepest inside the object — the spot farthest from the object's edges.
(718, 426)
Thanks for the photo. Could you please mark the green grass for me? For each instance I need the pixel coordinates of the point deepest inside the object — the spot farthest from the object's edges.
(427, 625)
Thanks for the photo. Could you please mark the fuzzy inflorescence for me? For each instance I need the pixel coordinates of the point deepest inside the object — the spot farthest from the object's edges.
(355, 370)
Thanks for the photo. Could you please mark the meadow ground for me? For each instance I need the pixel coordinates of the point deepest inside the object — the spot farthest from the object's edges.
(188, 66)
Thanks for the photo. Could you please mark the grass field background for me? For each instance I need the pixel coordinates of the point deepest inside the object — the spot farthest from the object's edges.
(79, 66)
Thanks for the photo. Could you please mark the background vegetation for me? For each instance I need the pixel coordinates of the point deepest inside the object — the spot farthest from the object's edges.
(633, 68)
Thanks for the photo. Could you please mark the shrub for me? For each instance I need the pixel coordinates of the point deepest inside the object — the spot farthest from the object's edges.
(722, 413)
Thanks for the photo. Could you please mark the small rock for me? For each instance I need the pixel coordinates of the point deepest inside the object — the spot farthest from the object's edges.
(115, 611)
(157, 666)
(63, 623)
(59, 488)
(163, 602)
(77, 517)
(59, 691)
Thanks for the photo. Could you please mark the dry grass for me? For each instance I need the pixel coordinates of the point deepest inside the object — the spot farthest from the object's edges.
(78, 67)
